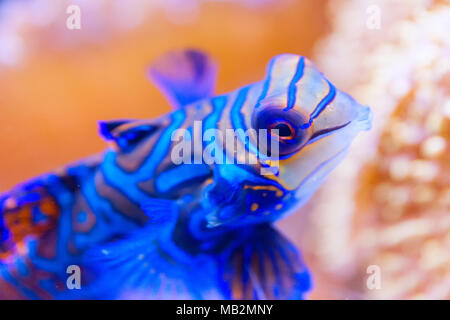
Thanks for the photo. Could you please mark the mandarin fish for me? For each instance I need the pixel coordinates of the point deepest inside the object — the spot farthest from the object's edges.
(135, 222)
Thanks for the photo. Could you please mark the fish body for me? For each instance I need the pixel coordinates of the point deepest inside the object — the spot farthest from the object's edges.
(171, 209)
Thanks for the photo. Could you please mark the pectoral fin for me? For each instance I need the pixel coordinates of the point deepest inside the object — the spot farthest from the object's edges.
(259, 263)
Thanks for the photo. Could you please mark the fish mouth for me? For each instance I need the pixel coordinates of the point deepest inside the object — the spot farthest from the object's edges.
(363, 121)
(319, 134)
(364, 118)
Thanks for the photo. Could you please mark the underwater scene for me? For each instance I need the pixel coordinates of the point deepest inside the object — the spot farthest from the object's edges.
(224, 150)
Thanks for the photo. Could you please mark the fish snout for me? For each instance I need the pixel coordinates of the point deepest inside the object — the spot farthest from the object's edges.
(364, 118)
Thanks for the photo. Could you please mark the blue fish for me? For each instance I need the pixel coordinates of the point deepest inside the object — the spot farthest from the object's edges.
(171, 209)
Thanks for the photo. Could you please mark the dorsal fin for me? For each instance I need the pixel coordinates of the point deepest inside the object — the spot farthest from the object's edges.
(126, 133)
(184, 76)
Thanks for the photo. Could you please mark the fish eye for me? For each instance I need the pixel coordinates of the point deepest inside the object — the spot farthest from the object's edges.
(285, 130)
(291, 135)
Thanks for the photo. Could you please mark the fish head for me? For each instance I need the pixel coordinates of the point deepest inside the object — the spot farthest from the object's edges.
(312, 122)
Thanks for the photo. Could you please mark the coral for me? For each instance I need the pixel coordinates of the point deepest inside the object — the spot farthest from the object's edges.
(396, 213)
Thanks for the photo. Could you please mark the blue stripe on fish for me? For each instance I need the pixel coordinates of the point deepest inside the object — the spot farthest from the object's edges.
(172, 178)
(266, 83)
(235, 114)
(237, 119)
(162, 148)
(218, 104)
(211, 121)
(322, 105)
(292, 90)
(127, 184)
